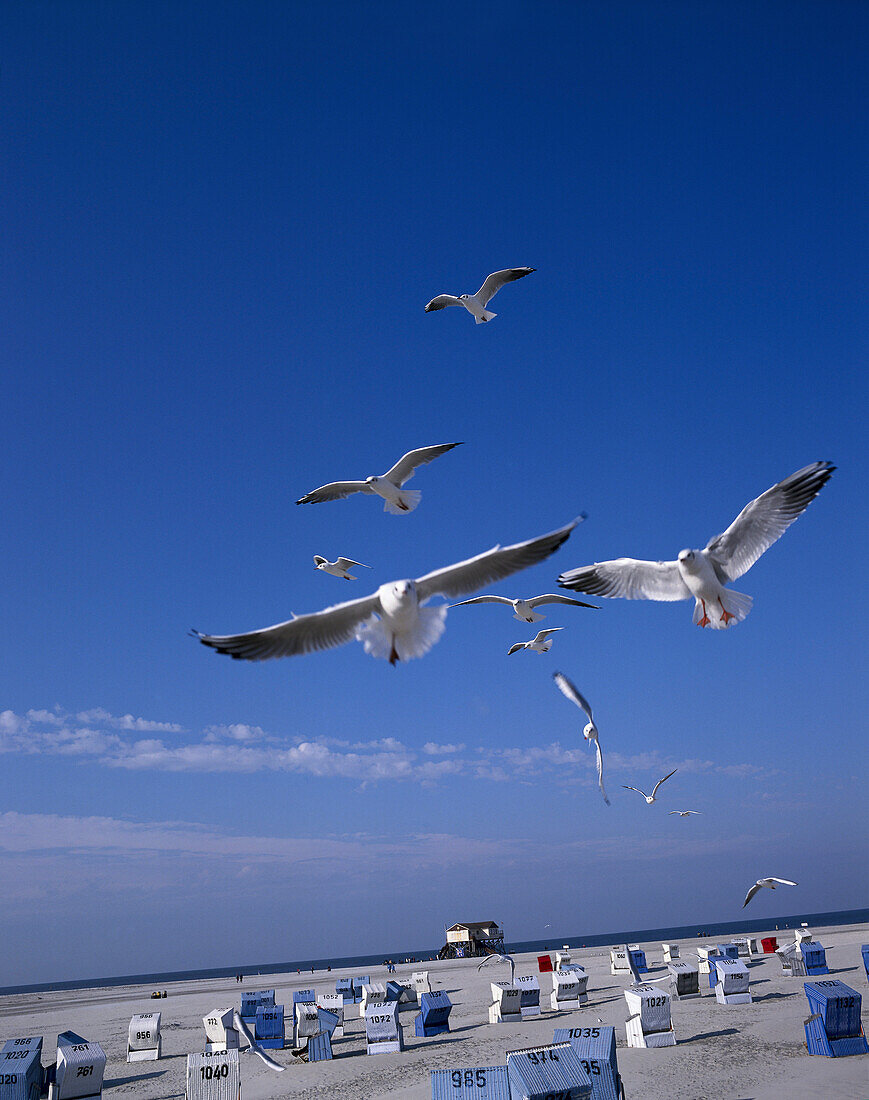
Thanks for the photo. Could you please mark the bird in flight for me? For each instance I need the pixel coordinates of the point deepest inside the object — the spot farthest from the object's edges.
(390, 486)
(685, 813)
(769, 882)
(476, 304)
(540, 643)
(524, 610)
(338, 568)
(650, 798)
(570, 690)
(704, 573)
(392, 622)
(501, 959)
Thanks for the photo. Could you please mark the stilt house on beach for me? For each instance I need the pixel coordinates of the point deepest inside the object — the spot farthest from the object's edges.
(472, 940)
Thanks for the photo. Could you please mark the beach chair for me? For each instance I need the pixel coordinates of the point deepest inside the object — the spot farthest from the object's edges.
(544, 965)
(649, 1023)
(529, 987)
(383, 1034)
(306, 1022)
(334, 1003)
(769, 945)
(619, 960)
(302, 996)
(213, 1076)
(568, 991)
(320, 1047)
(596, 1049)
(78, 1072)
(834, 1028)
(251, 1001)
(420, 982)
(540, 1073)
(344, 989)
(791, 960)
(144, 1041)
(562, 959)
(506, 1006)
(727, 950)
(373, 993)
(269, 1027)
(638, 958)
(408, 997)
(475, 1083)
(21, 1073)
(434, 1014)
(220, 1032)
(814, 958)
(684, 979)
(864, 951)
(671, 952)
(732, 985)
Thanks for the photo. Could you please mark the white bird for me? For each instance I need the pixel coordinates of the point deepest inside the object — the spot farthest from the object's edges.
(476, 303)
(685, 813)
(339, 568)
(650, 798)
(389, 486)
(523, 610)
(703, 573)
(501, 959)
(590, 733)
(540, 643)
(254, 1047)
(391, 622)
(770, 882)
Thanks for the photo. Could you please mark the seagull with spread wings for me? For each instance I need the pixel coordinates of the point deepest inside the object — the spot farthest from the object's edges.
(339, 568)
(392, 622)
(686, 813)
(769, 882)
(496, 958)
(704, 573)
(390, 486)
(540, 643)
(650, 798)
(570, 690)
(476, 304)
(524, 610)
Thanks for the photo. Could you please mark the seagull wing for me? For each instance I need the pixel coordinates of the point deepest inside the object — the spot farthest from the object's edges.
(322, 630)
(442, 301)
(765, 520)
(345, 563)
(783, 881)
(320, 560)
(515, 648)
(484, 599)
(570, 690)
(754, 889)
(542, 635)
(335, 490)
(660, 781)
(402, 471)
(493, 565)
(630, 578)
(554, 597)
(600, 771)
(497, 279)
(637, 789)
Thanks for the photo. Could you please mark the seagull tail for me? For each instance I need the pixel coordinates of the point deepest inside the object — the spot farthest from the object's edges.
(487, 316)
(410, 498)
(736, 604)
(532, 618)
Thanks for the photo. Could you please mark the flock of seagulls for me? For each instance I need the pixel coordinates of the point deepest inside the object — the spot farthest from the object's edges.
(397, 623)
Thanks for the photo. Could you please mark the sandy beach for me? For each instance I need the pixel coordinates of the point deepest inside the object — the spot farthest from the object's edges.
(745, 1052)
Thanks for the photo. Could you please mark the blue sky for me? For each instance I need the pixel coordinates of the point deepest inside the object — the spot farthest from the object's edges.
(221, 226)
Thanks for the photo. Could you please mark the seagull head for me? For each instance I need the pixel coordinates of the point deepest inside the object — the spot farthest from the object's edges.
(464, 297)
(685, 556)
(372, 480)
(688, 561)
(590, 732)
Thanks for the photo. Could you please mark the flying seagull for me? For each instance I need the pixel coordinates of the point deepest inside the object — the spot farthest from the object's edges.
(391, 622)
(569, 689)
(339, 568)
(476, 303)
(390, 486)
(540, 643)
(650, 798)
(770, 882)
(703, 573)
(685, 813)
(523, 610)
(501, 959)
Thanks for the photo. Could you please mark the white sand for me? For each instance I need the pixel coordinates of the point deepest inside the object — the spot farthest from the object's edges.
(746, 1052)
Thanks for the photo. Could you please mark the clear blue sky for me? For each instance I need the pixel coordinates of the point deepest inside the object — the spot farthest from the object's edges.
(221, 224)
